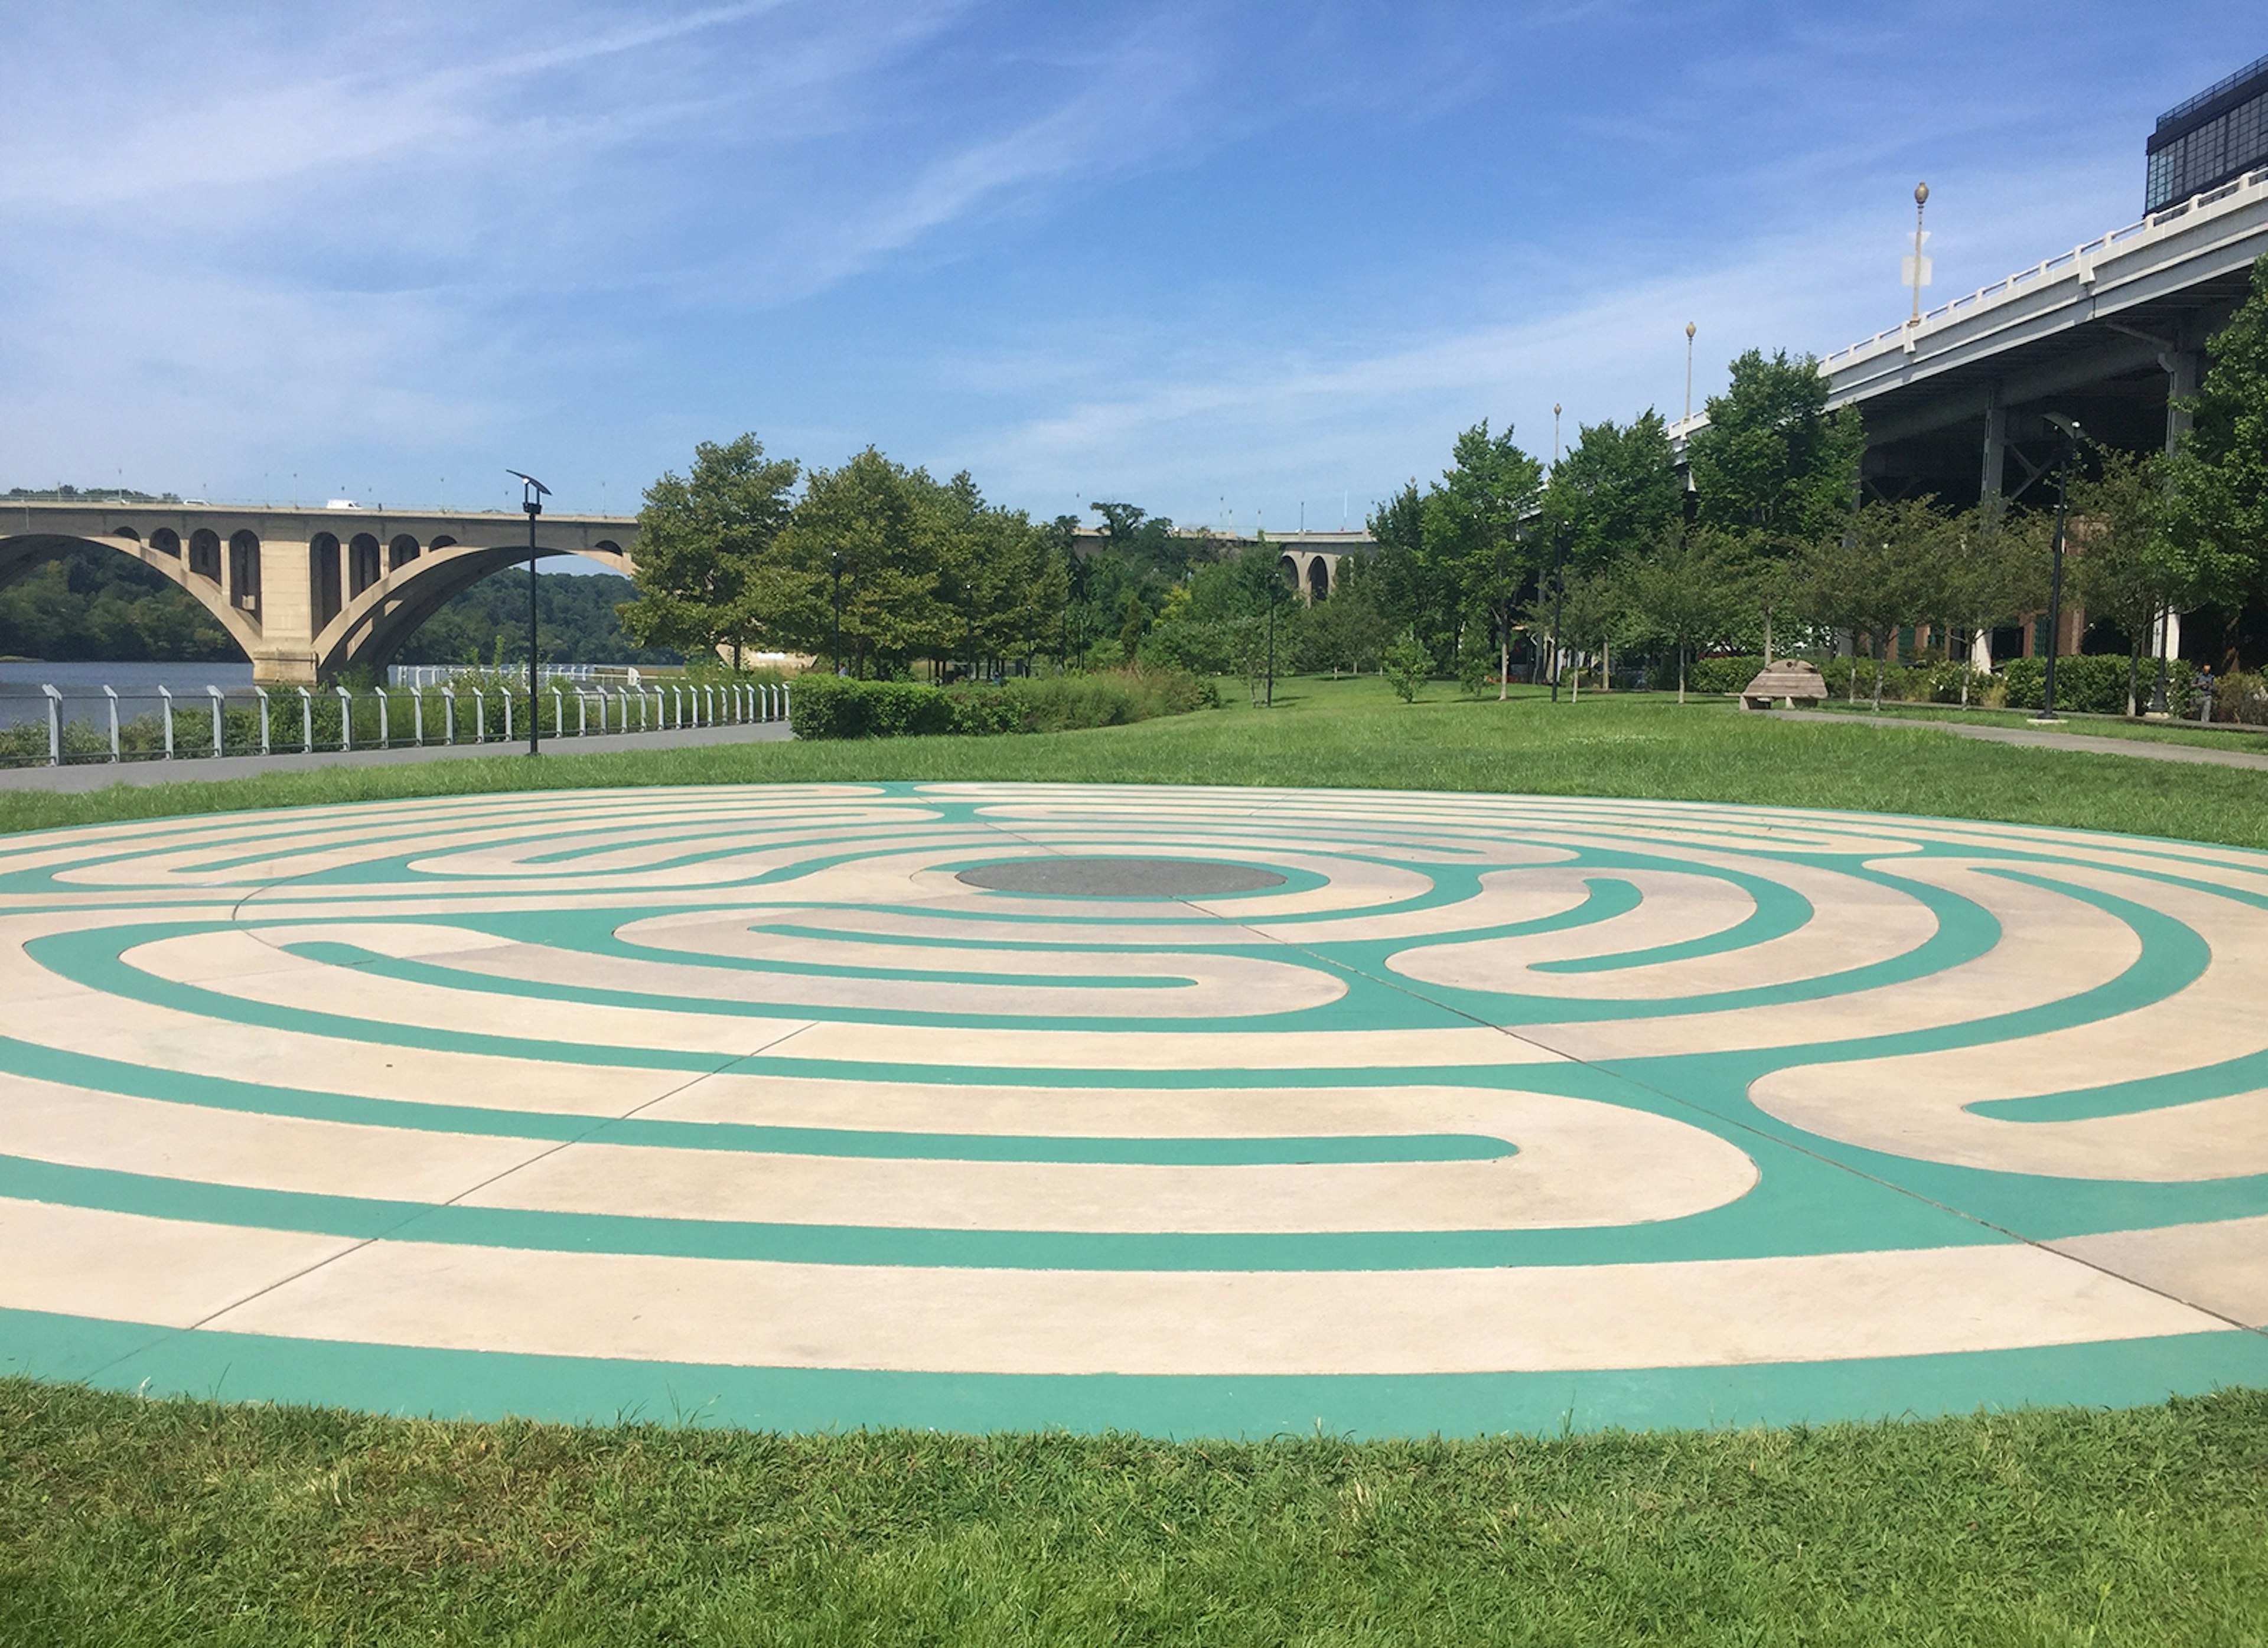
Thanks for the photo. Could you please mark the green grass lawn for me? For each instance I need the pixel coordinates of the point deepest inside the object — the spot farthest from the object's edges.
(1355, 733)
(131, 1521)
(124, 1521)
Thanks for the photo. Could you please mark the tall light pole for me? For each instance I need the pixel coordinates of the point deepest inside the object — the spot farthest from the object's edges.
(1274, 588)
(1555, 437)
(532, 494)
(835, 644)
(1918, 269)
(1688, 371)
(2071, 439)
(1558, 598)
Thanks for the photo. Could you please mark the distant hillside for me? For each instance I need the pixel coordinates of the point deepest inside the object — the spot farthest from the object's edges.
(91, 604)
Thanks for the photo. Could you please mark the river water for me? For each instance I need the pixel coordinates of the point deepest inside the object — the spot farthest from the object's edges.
(136, 685)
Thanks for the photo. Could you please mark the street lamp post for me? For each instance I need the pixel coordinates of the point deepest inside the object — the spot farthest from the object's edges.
(1558, 599)
(532, 492)
(2157, 693)
(1274, 588)
(1688, 371)
(2071, 439)
(834, 645)
(1918, 271)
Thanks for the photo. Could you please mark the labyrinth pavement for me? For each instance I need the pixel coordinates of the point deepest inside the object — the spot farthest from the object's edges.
(1193, 1111)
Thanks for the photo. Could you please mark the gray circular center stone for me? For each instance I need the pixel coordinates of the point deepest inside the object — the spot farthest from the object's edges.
(1120, 878)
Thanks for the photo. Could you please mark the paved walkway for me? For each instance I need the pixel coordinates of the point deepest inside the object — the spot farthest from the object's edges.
(2042, 737)
(1190, 1111)
(100, 774)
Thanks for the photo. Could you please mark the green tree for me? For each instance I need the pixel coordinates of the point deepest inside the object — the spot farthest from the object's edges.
(1615, 493)
(1688, 595)
(1472, 521)
(1887, 569)
(886, 527)
(1410, 588)
(703, 540)
(2218, 520)
(1408, 666)
(2126, 566)
(1774, 471)
(1346, 631)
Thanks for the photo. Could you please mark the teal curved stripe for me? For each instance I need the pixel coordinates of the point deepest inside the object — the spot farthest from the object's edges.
(1778, 911)
(136, 1081)
(415, 1381)
(1835, 1219)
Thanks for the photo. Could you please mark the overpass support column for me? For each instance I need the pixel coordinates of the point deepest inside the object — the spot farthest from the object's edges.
(1988, 490)
(2182, 367)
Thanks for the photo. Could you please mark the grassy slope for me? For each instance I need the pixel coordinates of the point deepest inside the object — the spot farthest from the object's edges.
(125, 1521)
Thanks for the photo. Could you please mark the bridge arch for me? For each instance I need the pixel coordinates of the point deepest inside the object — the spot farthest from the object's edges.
(22, 552)
(373, 623)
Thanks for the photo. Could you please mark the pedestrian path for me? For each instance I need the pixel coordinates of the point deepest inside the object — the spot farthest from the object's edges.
(2043, 738)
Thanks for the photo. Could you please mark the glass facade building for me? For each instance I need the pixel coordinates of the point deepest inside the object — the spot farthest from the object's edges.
(2218, 136)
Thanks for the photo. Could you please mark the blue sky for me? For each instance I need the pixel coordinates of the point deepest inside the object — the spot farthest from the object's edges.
(1223, 261)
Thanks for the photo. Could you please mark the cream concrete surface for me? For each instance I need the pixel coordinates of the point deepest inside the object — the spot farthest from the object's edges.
(2052, 946)
(123, 1267)
(762, 1314)
(1916, 1105)
(2221, 1267)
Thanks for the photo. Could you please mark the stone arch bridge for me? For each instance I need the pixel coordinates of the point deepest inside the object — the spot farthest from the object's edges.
(310, 593)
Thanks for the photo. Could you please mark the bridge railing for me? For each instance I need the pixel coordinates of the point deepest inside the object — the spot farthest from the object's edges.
(56, 727)
(2083, 257)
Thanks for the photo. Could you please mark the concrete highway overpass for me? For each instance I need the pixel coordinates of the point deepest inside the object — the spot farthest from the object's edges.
(2109, 334)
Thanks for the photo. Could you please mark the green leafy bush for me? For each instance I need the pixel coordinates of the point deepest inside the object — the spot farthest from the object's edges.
(828, 706)
(1408, 665)
(831, 707)
(2095, 683)
(1719, 674)
(2239, 696)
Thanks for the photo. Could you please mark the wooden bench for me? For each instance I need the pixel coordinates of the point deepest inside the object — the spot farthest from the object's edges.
(1792, 680)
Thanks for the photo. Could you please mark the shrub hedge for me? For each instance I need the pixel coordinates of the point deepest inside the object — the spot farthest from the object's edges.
(2096, 683)
(2089, 683)
(828, 706)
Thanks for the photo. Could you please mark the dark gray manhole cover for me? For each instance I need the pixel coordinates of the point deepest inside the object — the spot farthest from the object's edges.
(1120, 878)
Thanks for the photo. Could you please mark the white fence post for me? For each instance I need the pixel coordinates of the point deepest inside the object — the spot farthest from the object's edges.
(55, 726)
(220, 715)
(479, 716)
(346, 720)
(448, 713)
(504, 693)
(112, 693)
(307, 721)
(385, 734)
(787, 710)
(558, 711)
(166, 694)
(582, 712)
(417, 715)
(262, 693)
